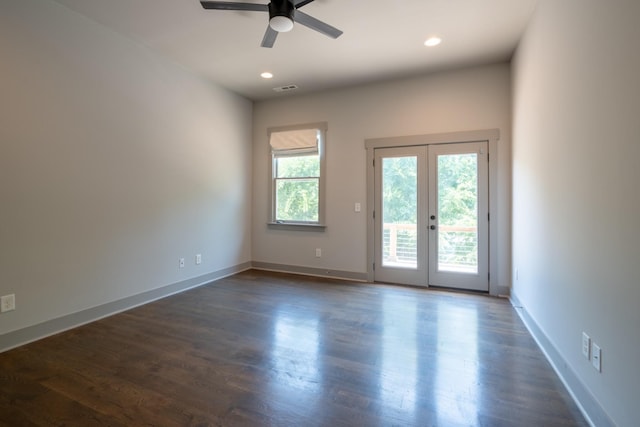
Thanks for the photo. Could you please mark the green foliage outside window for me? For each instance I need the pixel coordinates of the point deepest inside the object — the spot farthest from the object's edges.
(400, 190)
(457, 190)
(458, 207)
(297, 188)
(457, 204)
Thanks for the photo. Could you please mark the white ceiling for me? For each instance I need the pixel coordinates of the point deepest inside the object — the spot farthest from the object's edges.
(383, 39)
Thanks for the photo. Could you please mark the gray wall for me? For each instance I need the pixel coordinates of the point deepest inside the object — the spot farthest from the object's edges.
(469, 99)
(576, 202)
(114, 163)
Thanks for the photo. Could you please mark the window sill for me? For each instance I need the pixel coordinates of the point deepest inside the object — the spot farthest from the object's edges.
(296, 226)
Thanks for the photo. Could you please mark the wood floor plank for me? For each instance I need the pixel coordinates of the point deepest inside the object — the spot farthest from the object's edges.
(270, 349)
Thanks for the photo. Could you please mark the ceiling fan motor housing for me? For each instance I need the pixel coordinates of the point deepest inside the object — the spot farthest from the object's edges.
(281, 15)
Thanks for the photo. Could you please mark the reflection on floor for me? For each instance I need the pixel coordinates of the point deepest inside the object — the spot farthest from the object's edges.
(264, 348)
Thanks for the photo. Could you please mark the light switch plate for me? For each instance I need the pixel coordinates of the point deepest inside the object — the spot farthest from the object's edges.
(596, 357)
(586, 346)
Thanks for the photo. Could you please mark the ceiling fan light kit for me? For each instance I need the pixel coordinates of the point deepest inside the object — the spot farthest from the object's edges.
(281, 24)
(282, 15)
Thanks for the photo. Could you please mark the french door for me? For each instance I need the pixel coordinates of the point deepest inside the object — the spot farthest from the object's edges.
(431, 215)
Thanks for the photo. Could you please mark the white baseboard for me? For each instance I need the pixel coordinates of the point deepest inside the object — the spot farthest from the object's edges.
(589, 406)
(51, 327)
(310, 271)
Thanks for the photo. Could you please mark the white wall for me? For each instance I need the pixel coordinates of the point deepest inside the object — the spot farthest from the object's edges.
(470, 99)
(576, 202)
(113, 164)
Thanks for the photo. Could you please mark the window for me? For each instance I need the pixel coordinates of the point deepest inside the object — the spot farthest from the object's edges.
(297, 165)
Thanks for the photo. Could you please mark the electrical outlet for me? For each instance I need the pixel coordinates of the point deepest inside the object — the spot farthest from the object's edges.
(198, 259)
(318, 252)
(358, 207)
(7, 303)
(586, 346)
(596, 357)
(181, 262)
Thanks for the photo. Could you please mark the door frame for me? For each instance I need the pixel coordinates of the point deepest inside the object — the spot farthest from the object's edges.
(491, 136)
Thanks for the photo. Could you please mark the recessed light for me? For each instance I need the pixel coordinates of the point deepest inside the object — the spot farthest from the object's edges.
(266, 75)
(433, 41)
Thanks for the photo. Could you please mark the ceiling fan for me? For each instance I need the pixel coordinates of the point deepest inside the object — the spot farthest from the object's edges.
(282, 15)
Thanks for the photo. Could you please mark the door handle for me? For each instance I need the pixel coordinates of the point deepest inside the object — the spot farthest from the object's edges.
(433, 227)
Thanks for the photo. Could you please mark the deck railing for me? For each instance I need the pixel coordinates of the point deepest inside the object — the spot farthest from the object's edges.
(457, 248)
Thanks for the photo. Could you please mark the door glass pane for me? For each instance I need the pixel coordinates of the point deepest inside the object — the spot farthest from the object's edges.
(458, 213)
(400, 212)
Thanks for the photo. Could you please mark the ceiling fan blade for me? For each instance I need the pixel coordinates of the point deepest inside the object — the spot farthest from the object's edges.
(230, 5)
(269, 37)
(299, 3)
(314, 24)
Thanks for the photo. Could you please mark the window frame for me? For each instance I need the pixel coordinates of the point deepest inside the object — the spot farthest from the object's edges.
(298, 225)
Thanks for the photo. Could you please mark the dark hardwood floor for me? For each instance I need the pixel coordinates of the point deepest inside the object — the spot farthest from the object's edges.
(268, 349)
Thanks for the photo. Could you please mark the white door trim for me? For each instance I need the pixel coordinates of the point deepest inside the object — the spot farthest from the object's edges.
(490, 135)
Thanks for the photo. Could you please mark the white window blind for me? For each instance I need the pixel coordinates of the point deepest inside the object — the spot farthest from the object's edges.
(294, 142)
